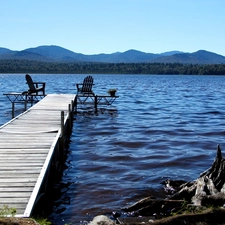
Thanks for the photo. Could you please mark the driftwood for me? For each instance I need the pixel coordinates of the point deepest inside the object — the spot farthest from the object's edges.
(207, 190)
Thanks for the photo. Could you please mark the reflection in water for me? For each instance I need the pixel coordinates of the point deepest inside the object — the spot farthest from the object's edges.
(160, 127)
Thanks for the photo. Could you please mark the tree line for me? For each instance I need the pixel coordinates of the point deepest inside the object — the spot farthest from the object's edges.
(25, 66)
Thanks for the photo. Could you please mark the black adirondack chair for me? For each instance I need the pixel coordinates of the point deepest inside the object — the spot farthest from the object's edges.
(86, 87)
(35, 88)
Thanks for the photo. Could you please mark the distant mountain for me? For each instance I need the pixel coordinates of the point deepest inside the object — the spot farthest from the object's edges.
(58, 54)
(170, 53)
(4, 50)
(199, 57)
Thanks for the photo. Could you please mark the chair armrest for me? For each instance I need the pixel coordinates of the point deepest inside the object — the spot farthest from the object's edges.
(43, 83)
(37, 84)
(78, 85)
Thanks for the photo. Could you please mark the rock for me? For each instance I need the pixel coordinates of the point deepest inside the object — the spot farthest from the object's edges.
(101, 220)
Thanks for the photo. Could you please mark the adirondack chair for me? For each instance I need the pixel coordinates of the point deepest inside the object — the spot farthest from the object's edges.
(86, 87)
(35, 88)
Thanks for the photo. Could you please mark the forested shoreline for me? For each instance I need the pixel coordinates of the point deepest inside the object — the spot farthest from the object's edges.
(25, 66)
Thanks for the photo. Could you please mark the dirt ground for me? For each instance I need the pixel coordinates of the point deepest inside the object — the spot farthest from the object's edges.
(208, 217)
(17, 221)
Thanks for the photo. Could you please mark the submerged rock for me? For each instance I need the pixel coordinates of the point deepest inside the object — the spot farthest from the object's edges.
(101, 220)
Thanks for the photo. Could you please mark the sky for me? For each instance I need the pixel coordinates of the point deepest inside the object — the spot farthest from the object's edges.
(109, 26)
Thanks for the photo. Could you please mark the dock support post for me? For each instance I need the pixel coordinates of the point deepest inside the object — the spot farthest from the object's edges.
(69, 110)
(75, 105)
(70, 117)
(96, 103)
(72, 104)
(61, 141)
(62, 124)
(25, 105)
(13, 109)
(71, 114)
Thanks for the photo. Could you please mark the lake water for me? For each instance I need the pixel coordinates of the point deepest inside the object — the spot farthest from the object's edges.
(160, 127)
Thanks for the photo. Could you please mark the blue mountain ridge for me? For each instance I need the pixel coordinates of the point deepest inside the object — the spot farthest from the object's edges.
(53, 53)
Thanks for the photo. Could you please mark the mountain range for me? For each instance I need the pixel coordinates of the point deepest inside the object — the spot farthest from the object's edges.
(58, 54)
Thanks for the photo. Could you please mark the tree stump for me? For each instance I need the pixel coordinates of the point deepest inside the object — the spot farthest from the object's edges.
(209, 188)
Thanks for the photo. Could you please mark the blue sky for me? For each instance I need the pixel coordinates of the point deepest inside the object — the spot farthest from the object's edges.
(108, 26)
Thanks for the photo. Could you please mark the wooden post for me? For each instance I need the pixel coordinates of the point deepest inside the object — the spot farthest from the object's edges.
(13, 109)
(25, 103)
(62, 124)
(71, 114)
(75, 105)
(69, 110)
(62, 138)
(69, 123)
(96, 103)
(72, 106)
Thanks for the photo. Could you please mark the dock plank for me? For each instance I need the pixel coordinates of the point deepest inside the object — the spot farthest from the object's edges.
(27, 144)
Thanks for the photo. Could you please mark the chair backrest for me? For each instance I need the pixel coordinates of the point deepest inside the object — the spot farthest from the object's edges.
(30, 83)
(87, 84)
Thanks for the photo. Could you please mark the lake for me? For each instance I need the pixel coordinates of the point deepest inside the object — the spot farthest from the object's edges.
(160, 127)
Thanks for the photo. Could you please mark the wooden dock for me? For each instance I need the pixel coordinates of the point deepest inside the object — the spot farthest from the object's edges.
(28, 145)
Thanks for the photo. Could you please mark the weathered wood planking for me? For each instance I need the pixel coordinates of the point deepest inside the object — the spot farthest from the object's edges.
(27, 143)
